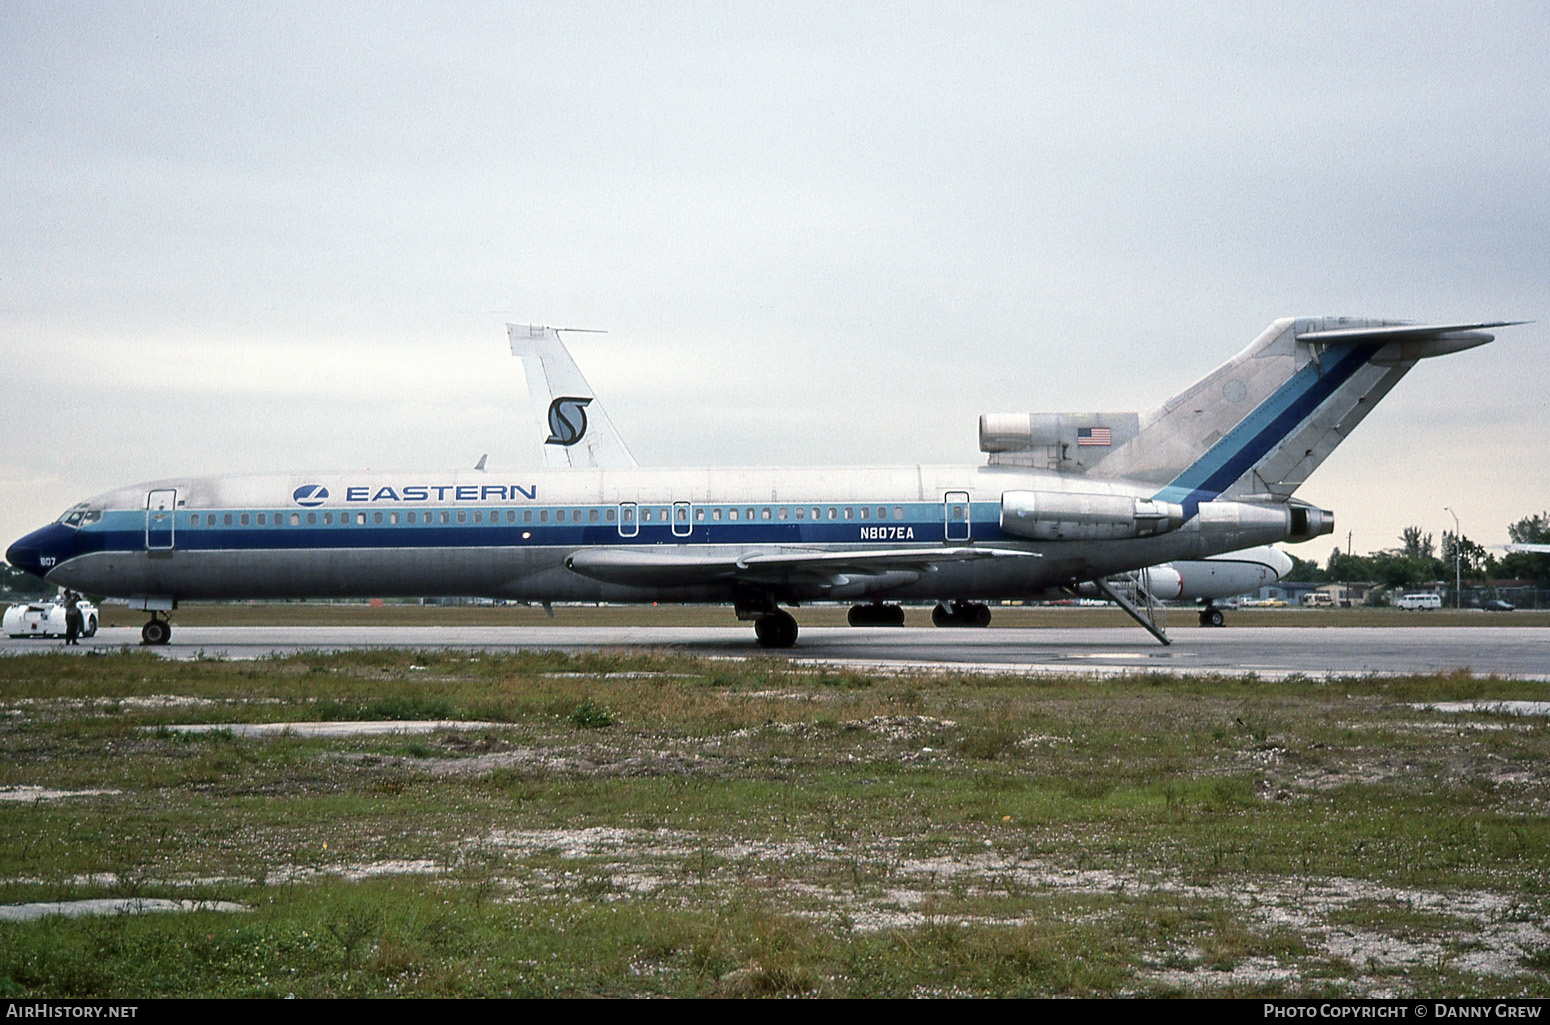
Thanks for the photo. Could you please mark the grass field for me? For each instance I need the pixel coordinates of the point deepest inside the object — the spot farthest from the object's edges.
(624, 824)
(361, 614)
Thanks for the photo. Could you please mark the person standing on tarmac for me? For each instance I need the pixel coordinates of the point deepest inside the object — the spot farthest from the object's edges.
(72, 618)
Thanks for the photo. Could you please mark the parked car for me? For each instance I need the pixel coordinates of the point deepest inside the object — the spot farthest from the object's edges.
(1419, 600)
(1497, 605)
(47, 619)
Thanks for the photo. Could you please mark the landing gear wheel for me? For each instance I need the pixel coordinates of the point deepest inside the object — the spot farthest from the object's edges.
(875, 614)
(1212, 617)
(777, 630)
(157, 631)
(962, 613)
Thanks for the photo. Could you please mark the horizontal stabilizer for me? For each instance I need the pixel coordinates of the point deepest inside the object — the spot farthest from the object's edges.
(1404, 344)
(1403, 332)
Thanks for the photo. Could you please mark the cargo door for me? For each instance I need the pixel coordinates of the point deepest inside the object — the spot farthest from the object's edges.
(160, 511)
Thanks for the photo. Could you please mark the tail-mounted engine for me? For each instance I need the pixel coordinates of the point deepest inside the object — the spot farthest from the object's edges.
(1064, 516)
(1055, 441)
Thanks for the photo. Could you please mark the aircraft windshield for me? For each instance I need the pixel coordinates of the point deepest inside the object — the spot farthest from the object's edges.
(79, 516)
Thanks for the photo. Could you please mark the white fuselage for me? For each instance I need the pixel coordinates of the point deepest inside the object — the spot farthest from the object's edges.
(511, 535)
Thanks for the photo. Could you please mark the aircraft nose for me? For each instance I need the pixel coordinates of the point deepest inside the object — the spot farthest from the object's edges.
(25, 556)
(29, 552)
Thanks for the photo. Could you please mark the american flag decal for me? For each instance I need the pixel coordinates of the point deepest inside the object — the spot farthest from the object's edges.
(1093, 436)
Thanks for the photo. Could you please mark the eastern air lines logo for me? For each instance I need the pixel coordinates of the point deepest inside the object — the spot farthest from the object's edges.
(567, 420)
(310, 495)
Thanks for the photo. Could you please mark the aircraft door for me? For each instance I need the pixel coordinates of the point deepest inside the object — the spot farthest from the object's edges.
(681, 525)
(160, 512)
(629, 520)
(955, 516)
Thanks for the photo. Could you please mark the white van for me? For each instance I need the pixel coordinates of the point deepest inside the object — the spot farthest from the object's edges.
(1419, 601)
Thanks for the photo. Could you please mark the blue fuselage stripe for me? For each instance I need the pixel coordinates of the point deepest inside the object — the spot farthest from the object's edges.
(124, 531)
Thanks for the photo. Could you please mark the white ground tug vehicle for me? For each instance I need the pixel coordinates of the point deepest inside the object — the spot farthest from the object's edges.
(47, 619)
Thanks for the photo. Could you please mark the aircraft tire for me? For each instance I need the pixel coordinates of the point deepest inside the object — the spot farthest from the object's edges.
(1212, 617)
(777, 630)
(875, 614)
(157, 631)
(962, 613)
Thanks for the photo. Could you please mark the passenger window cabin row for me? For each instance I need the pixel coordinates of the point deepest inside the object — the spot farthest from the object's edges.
(648, 514)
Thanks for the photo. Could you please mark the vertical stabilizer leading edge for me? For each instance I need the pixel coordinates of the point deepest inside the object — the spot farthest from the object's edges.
(577, 432)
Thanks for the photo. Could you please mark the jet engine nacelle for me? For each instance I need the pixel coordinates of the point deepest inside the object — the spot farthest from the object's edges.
(1067, 516)
(1232, 525)
(1220, 576)
(1307, 522)
(1223, 577)
(1055, 441)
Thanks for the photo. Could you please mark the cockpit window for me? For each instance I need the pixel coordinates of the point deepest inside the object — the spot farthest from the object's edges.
(80, 516)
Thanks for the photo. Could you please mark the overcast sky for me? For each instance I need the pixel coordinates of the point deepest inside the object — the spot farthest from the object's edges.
(242, 238)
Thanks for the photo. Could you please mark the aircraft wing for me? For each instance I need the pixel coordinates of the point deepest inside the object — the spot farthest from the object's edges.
(678, 568)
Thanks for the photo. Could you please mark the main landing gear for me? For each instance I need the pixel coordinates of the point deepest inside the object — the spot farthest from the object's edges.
(961, 613)
(1212, 616)
(157, 631)
(778, 629)
(772, 625)
(875, 614)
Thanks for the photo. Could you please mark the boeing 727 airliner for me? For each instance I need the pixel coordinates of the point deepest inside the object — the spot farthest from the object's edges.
(555, 386)
(1064, 499)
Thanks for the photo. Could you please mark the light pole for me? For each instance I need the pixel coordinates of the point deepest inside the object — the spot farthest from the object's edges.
(1458, 554)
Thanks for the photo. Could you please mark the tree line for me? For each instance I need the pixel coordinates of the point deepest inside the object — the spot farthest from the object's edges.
(1419, 560)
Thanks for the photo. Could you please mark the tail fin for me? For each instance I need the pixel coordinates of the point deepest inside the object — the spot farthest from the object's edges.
(578, 432)
(1262, 422)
